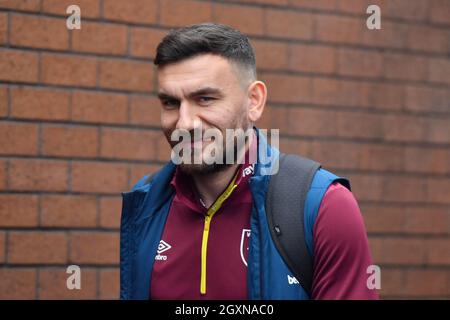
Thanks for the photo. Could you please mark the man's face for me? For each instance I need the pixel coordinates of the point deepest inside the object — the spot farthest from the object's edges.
(202, 92)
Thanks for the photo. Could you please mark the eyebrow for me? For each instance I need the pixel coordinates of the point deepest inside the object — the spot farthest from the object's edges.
(193, 94)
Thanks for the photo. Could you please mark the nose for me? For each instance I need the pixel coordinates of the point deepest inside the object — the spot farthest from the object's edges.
(187, 118)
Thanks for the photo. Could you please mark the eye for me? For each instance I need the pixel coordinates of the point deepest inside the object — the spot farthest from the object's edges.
(170, 103)
(205, 100)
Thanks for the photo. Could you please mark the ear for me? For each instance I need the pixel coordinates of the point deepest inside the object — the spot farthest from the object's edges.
(257, 95)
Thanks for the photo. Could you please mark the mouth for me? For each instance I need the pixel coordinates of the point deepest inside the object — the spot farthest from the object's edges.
(195, 144)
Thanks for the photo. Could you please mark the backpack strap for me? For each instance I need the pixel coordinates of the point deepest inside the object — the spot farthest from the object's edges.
(285, 214)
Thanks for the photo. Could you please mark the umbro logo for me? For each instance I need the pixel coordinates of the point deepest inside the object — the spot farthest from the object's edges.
(162, 247)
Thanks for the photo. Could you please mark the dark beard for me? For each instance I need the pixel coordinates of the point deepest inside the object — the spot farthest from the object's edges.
(205, 169)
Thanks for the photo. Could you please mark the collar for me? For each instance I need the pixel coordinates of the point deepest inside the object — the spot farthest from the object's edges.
(187, 193)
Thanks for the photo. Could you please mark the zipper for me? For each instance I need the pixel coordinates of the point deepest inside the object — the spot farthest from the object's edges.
(208, 218)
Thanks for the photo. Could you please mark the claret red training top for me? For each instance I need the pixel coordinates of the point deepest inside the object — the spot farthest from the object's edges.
(177, 271)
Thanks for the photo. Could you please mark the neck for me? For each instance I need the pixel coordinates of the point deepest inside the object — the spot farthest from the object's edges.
(212, 185)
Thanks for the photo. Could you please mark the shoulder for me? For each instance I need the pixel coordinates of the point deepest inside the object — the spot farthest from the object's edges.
(339, 219)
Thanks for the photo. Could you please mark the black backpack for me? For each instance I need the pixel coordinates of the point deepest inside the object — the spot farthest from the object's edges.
(285, 212)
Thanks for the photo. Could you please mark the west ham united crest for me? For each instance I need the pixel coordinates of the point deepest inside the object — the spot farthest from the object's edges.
(244, 244)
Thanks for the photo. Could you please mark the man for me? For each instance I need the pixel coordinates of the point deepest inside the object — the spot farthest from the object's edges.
(199, 230)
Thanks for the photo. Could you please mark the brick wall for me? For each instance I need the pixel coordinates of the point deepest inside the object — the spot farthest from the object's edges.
(79, 124)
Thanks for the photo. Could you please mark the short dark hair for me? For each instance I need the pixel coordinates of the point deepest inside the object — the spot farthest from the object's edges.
(223, 40)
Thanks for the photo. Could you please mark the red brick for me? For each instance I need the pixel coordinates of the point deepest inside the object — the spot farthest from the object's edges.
(354, 93)
(109, 284)
(53, 284)
(37, 247)
(110, 211)
(423, 282)
(105, 251)
(438, 130)
(425, 38)
(18, 66)
(392, 282)
(314, 4)
(143, 41)
(404, 128)
(297, 146)
(100, 38)
(391, 35)
(367, 187)
(270, 54)
(340, 93)
(427, 160)
(248, 20)
(17, 283)
(3, 175)
(438, 252)
(21, 5)
(39, 32)
(17, 210)
(309, 58)
(334, 155)
(68, 70)
(287, 88)
(140, 170)
(404, 189)
(384, 219)
(381, 158)
(400, 251)
(89, 8)
(58, 140)
(101, 177)
(3, 28)
(408, 10)
(440, 11)
(427, 220)
(376, 248)
(99, 107)
(273, 2)
(128, 144)
(439, 70)
(339, 29)
(39, 103)
(145, 110)
(280, 23)
(126, 75)
(438, 190)
(163, 149)
(138, 11)
(18, 139)
(420, 98)
(2, 246)
(4, 101)
(359, 125)
(68, 211)
(386, 96)
(38, 175)
(312, 122)
(275, 118)
(359, 63)
(399, 66)
(174, 12)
